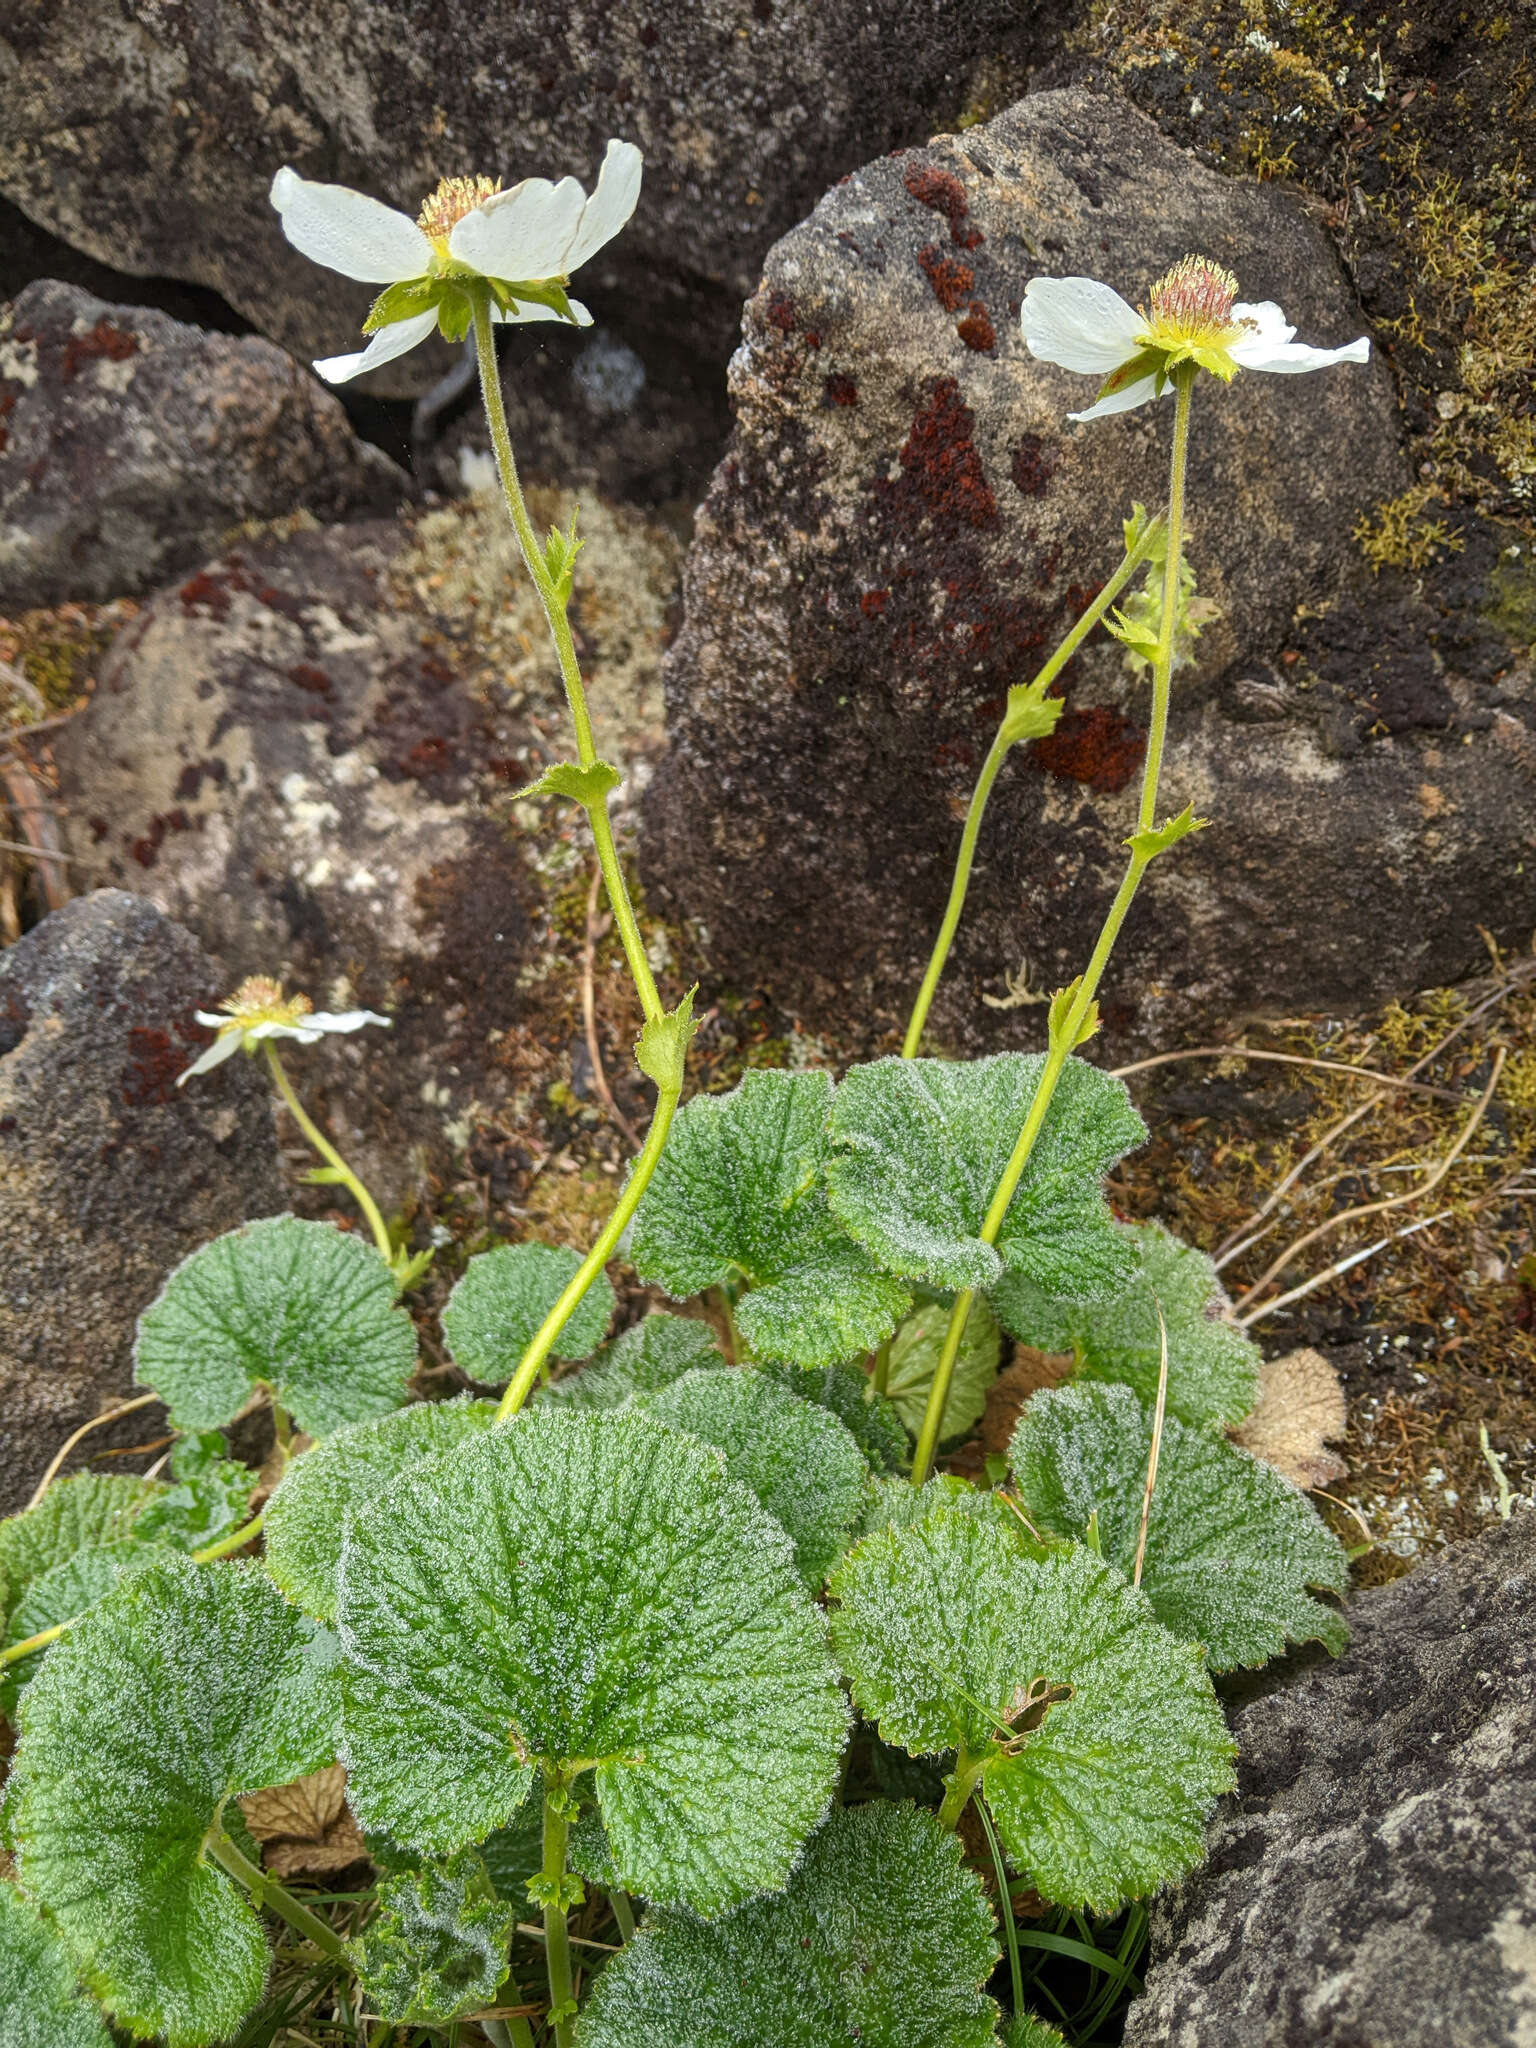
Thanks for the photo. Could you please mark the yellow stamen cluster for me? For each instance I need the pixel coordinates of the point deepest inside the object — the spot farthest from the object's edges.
(454, 197)
(1194, 301)
(260, 1000)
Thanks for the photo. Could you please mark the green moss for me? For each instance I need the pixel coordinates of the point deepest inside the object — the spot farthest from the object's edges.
(1512, 590)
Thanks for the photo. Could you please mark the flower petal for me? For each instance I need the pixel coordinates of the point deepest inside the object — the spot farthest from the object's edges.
(388, 343)
(1290, 358)
(344, 1020)
(214, 1055)
(349, 232)
(1266, 320)
(521, 233)
(521, 315)
(1080, 324)
(612, 202)
(1122, 400)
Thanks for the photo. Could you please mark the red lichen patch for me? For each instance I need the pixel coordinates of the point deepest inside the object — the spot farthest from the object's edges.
(9, 393)
(874, 602)
(940, 461)
(952, 280)
(145, 849)
(943, 192)
(841, 390)
(780, 312)
(211, 589)
(103, 342)
(310, 678)
(976, 329)
(1034, 464)
(189, 784)
(1096, 746)
(155, 1062)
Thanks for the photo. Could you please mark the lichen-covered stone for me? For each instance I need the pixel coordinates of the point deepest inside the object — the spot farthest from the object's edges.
(1373, 1879)
(109, 1174)
(130, 444)
(904, 525)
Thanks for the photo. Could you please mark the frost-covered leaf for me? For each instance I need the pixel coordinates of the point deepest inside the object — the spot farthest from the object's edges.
(209, 1493)
(797, 1458)
(63, 1594)
(648, 1356)
(40, 2004)
(919, 1148)
(868, 1417)
(438, 1946)
(1301, 1409)
(882, 1938)
(1023, 2030)
(187, 1686)
(302, 1308)
(739, 1196)
(499, 1306)
(80, 1513)
(1231, 1546)
(513, 1854)
(1102, 1743)
(914, 1359)
(896, 1504)
(575, 1587)
(1213, 1366)
(307, 1516)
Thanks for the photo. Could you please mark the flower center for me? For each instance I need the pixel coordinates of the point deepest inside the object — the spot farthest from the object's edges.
(447, 206)
(1191, 307)
(260, 1000)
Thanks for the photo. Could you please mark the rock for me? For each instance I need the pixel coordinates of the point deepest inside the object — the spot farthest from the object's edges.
(905, 523)
(109, 1174)
(309, 753)
(148, 139)
(1373, 1879)
(130, 445)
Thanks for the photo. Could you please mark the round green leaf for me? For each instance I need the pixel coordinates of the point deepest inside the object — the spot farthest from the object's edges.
(897, 1504)
(307, 1516)
(62, 1594)
(184, 1688)
(882, 1937)
(1101, 1741)
(797, 1458)
(739, 1196)
(868, 1417)
(919, 1147)
(302, 1308)
(914, 1359)
(499, 1305)
(437, 1946)
(40, 2006)
(1213, 1366)
(650, 1355)
(79, 1513)
(1231, 1546)
(589, 1589)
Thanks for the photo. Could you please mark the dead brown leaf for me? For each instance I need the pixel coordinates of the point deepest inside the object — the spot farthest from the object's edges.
(1030, 1372)
(1301, 1406)
(305, 1829)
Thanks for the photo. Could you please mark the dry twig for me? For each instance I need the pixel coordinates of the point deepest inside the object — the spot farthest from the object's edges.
(1158, 1414)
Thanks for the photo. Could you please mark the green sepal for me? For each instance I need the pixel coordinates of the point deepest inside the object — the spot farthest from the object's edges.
(409, 1267)
(1147, 845)
(1030, 713)
(406, 300)
(1138, 637)
(455, 312)
(437, 1948)
(324, 1177)
(510, 293)
(661, 1050)
(1061, 1010)
(1146, 362)
(589, 787)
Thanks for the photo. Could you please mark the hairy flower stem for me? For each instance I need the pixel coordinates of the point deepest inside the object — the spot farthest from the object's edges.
(958, 1787)
(1065, 1037)
(1132, 561)
(557, 1940)
(521, 1384)
(266, 1891)
(565, 650)
(329, 1154)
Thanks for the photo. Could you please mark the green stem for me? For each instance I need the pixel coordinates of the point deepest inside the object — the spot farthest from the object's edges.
(565, 650)
(1065, 1037)
(40, 1641)
(881, 1375)
(624, 1913)
(237, 1539)
(329, 1154)
(960, 1784)
(989, 769)
(557, 1940)
(266, 1891)
(521, 1384)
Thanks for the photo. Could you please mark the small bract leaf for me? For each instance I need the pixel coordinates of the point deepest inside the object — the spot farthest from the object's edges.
(40, 2004)
(307, 1516)
(1101, 1741)
(739, 1196)
(438, 1946)
(63, 1594)
(184, 1688)
(589, 1589)
(82, 1512)
(1149, 844)
(868, 1417)
(1213, 1366)
(915, 1350)
(796, 1457)
(1060, 1012)
(882, 1938)
(648, 1356)
(589, 787)
(496, 1309)
(302, 1308)
(1030, 713)
(209, 1493)
(920, 1148)
(661, 1050)
(1231, 1546)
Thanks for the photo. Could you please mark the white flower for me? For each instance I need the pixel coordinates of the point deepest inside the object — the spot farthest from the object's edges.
(1194, 317)
(524, 243)
(258, 1009)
